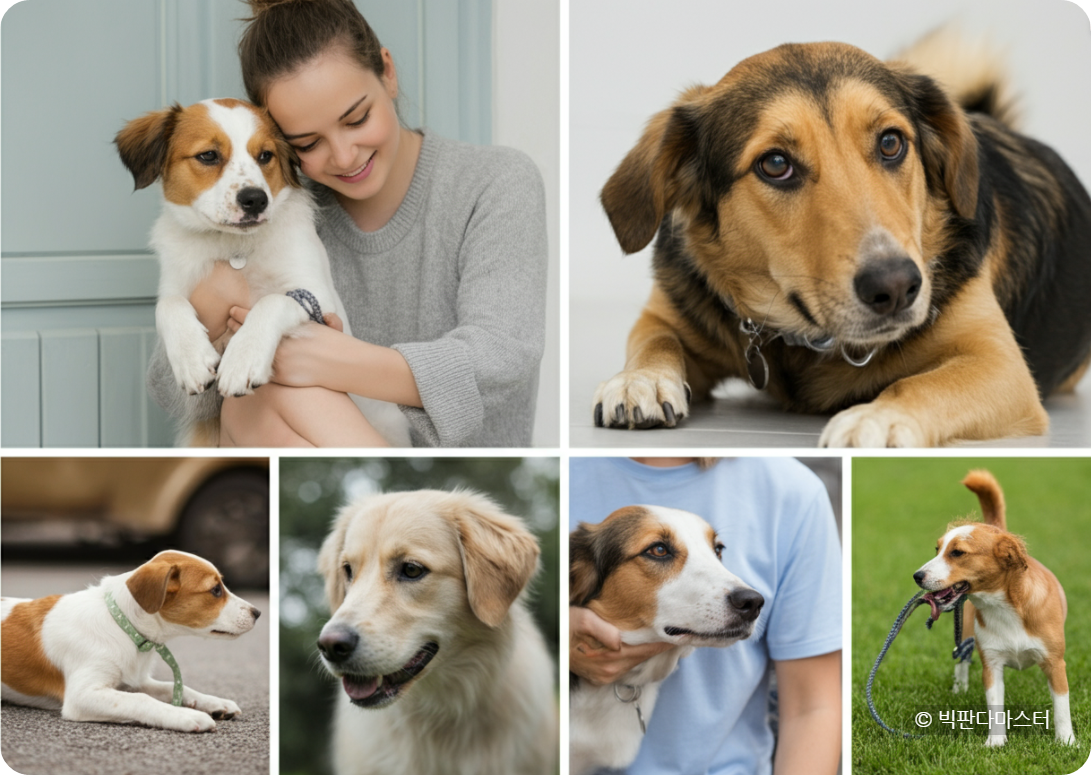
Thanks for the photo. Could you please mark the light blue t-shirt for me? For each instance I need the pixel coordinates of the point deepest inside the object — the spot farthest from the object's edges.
(774, 518)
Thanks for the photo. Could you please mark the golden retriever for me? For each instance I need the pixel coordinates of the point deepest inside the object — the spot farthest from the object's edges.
(442, 667)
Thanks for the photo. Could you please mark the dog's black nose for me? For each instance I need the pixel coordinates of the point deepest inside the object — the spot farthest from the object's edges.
(918, 577)
(888, 286)
(253, 201)
(747, 603)
(337, 643)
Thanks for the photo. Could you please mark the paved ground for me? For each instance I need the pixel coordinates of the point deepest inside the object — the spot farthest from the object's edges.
(39, 742)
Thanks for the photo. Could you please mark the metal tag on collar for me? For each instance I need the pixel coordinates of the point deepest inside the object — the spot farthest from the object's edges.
(757, 368)
(635, 692)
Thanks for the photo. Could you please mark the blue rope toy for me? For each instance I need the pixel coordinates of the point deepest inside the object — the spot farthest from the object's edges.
(309, 303)
(963, 652)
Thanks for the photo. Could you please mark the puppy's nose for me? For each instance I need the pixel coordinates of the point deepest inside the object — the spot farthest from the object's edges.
(255, 613)
(337, 643)
(253, 201)
(889, 285)
(918, 577)
(747, 603)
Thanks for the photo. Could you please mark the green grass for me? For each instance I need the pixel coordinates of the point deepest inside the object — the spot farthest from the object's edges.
(900, 506)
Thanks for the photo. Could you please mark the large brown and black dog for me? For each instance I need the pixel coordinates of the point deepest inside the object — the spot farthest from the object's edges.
(854, 238)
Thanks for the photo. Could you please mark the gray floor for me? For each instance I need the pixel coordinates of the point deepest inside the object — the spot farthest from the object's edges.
(39, 741)
(740, 416)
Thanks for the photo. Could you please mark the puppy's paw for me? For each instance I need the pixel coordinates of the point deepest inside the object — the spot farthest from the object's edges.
(995, 741)
(190, 720)
(870, 425)
(247, 363)
(194, 365)
(641, 399)
(218, 708)
(1066, 739)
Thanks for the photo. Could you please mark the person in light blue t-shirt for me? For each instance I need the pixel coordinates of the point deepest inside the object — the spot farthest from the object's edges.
(774, 518)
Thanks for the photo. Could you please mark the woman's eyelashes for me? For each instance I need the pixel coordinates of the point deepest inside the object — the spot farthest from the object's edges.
(358, 122)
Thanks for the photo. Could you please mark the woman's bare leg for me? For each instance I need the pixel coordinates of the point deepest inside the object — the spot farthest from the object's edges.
(279, 416)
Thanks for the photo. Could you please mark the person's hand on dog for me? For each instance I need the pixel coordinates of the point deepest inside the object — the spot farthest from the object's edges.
(595, 650)
(216, 295)
(300, 359)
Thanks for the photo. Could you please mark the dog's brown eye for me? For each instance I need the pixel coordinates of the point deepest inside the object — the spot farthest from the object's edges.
(775, 166)
(719, 550)
(348, 571)
(265, 157)
(217, 591)
(658, 551)
(957, 552)
(208, 157)
(891, 145)
(413, 571)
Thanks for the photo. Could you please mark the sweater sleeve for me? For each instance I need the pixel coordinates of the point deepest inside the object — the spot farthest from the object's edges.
(165, 391)
(487, 361)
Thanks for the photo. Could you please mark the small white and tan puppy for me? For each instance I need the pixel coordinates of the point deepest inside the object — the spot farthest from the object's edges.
(1016, 611)
(67, 652)
(442, 667)
(231, 193)
(654, 573)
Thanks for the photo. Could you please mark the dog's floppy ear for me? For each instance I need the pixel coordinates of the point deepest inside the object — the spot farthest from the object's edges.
(584, 579)
(152, 582)
(1010, 552)
(329, 558)
(144, 142)
(948, 144)
(651, 179)
(499, 556)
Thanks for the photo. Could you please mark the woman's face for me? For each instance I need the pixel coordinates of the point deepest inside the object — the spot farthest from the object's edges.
(340, 118)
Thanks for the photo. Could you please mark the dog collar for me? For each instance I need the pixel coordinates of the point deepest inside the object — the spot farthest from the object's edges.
(144, 644)
(757, 368)
(634, 695)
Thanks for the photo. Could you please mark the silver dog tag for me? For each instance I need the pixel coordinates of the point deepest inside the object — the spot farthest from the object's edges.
(757, 369)
(237, 262)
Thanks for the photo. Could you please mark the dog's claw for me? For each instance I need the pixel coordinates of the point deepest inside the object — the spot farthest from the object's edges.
(619, 415)
(598, 415)
(689, 393)
(668, 412)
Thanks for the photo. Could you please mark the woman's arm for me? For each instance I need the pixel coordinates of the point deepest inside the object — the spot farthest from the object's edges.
(809, 693)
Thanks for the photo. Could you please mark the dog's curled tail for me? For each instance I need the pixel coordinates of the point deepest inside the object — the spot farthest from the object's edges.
(984, 485)
(972, 72)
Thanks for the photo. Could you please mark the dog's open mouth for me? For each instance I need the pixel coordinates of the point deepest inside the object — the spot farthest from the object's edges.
(945, 599)
(375, 691)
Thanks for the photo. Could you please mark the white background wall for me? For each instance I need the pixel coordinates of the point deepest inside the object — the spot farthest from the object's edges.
(630, 59)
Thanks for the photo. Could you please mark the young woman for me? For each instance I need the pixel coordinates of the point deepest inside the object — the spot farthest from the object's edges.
(437, 248)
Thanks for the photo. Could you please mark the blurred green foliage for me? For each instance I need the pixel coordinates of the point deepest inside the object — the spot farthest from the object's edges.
(311, 492)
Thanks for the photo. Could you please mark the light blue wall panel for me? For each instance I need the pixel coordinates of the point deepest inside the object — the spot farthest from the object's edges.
(20, 386)
(124, 404)
(70, 389)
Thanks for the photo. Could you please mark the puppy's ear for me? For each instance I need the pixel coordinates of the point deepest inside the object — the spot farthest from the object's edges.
(1010, 552)
(948, 144)
(329, 558)
(499, 556)
(152, 582)
(653, 177)
(584, 579)
(144, 142)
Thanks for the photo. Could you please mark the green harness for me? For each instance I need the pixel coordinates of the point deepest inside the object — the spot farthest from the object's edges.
(143, 644)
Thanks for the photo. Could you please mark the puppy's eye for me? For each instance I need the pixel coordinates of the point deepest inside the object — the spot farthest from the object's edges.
(348, 572)
(413, 571)
(217, 591)
(719, 550)
(892, 145)
(775, 166)
(658, 551)
(209, 158)
(265, 157)
(957, 552)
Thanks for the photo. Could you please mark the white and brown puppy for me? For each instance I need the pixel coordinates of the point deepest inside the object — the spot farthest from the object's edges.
(442, 667)
(231, 193)
(1018, 609)
(656, 574)
(67, 652)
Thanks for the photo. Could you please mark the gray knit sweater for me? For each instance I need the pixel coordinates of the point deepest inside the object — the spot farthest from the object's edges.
(455, 282)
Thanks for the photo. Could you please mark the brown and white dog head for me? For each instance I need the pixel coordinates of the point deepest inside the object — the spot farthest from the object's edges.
(655, 573)
(810, 185)
(413, 580)
(223, 163)
(187, 596)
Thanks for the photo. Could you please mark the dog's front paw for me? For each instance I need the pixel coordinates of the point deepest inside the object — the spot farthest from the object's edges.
(995, 741)
(1066, 738)
(194, 365)
(189, 720)
(217, 708)
(870, 425)
(246, 364)
(641, 399)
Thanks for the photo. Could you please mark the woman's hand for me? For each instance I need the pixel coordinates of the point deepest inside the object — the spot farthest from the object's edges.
(216, 295)
(595, 650)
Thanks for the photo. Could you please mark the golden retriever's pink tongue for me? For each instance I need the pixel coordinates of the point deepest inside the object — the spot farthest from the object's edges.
(359, 688)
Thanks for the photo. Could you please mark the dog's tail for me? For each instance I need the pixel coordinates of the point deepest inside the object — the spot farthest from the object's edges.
(972, 72)
(989, 494)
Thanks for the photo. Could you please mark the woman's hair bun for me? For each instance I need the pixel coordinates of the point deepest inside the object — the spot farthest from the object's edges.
(260, 6)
